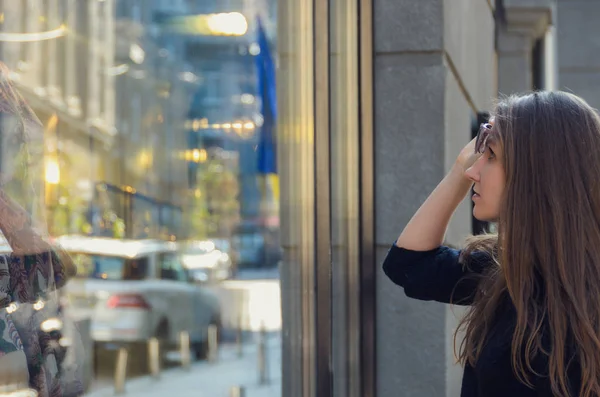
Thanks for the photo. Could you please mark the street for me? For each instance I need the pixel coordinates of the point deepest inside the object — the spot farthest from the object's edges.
(206, 379)
(251, 302)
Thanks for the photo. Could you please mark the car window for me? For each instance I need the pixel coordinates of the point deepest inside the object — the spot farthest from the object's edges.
(105, 267)
(171, 268)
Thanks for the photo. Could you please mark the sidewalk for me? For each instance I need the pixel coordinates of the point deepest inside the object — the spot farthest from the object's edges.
(211, 379)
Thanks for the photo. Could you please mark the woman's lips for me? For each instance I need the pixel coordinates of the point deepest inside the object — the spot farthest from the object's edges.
(475, 196)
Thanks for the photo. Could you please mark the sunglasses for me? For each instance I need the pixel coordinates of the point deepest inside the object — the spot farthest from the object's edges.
(482, 137)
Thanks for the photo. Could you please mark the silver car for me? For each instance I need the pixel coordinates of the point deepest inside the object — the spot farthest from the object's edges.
(134, 290)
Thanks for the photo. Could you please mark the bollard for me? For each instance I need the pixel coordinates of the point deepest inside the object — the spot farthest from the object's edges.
(213, 343)
(121, 371)
(239, 338)
(237, 391)
(184, 350)
(154, 357)
(263, 376)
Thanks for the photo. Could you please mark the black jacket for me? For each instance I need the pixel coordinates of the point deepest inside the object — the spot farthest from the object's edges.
(437, 275)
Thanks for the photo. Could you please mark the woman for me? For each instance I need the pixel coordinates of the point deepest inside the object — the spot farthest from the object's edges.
(533, 326)
(31, 269)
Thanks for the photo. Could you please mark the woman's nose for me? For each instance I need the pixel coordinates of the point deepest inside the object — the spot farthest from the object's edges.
(473, 172)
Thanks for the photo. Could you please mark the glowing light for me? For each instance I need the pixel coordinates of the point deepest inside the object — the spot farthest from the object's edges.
(145, 159)
(52, 172)
(39, 305)
(29, 37)
(118, 70)
(230, 24)
(247, 99)
(196, 155)
(51, 324)
(254, 49)
(188, 77)
(222, 24)
(137, 54)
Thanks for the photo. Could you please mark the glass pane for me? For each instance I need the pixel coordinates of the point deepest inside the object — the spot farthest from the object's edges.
(161, 184)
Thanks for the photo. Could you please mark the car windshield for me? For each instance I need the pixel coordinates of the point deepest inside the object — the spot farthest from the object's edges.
(105, 267)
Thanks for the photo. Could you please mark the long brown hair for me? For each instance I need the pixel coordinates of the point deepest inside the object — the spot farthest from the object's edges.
(547, 250)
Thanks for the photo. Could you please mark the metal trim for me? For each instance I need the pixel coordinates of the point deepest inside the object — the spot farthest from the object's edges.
(367, 200)
(323, 299)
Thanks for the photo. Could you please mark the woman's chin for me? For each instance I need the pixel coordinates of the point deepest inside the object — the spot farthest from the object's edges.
(482, 216)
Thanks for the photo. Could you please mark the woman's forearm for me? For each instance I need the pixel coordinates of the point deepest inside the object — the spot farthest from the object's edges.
(427, 228)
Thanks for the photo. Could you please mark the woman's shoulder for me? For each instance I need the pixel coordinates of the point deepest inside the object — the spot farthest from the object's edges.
(438, 274)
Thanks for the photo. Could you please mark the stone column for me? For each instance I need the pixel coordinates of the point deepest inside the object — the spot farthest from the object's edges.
(525, 21)
(579, 48)
(434, 70)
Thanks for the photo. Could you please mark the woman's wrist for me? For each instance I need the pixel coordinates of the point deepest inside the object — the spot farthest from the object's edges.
(458, 179)
(458, 175)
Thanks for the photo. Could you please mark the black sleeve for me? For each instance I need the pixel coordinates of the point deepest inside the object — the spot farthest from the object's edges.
(436, 274)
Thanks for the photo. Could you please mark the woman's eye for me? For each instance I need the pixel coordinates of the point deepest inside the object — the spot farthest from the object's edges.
(491, 154)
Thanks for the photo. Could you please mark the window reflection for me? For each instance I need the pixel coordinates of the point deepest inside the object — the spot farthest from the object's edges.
(156, 119)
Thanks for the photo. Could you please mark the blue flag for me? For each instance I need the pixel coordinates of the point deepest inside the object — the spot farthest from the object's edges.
(267, 143)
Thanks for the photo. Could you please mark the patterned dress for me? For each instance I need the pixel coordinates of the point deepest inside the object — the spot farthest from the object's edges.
(25, 279)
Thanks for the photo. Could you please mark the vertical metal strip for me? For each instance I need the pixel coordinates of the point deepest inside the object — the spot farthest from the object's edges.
(367, 213)
(295, 134)
(322, 199)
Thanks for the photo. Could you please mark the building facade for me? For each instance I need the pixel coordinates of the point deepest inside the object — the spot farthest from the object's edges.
(113, 106)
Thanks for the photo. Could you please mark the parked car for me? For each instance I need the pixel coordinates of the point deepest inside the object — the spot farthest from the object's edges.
(134, 290)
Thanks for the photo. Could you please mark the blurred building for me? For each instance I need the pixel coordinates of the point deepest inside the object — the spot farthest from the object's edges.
(114, 108)
(217, 40)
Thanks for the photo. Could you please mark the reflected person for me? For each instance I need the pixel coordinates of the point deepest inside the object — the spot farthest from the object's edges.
(30, 268)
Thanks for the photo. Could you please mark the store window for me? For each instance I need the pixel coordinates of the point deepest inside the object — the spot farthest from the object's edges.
(235, 135)
(158, 134)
